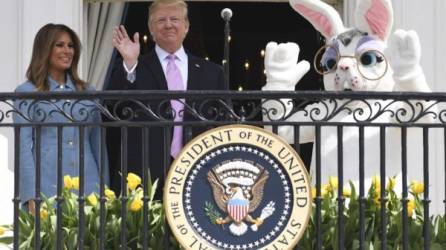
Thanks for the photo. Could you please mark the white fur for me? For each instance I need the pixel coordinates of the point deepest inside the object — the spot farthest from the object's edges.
(404, 74)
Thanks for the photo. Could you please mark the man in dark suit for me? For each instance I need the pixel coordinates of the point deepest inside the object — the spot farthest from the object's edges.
(167, 67)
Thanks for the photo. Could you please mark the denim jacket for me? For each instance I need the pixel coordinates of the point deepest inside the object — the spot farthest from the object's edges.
(50, 111)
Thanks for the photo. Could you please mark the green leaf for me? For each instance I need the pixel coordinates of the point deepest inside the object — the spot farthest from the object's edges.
(152, 189)
(436, 246)
(211, 212)
(6, 240)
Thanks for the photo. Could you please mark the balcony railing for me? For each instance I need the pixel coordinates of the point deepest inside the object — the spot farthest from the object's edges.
(332, 115)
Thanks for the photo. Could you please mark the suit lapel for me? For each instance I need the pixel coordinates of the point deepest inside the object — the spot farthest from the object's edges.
(194, 67)
(193, 83)
(156, 69)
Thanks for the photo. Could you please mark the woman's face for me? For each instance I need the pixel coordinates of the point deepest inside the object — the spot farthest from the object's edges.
(62, 53)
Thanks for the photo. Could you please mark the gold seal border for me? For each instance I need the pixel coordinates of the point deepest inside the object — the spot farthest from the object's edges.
(237, 134)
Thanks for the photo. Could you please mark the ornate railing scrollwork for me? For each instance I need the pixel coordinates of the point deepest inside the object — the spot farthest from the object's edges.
(367, 110)
(211, 106)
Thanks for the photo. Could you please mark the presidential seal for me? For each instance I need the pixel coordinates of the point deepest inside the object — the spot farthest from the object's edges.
(238, 187)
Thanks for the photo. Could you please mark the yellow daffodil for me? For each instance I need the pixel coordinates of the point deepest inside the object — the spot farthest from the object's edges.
(136, 205)
(68, 182)
(133, 181)
(391, 184)
(376, 182)
(92, 199)
(377, 192)
(313, 192)
(109, 194)
(325, 189)
(333, 181)
(75, 182)
(377, 201)
(346, 191)
(140, 191)
(43, 213)
(2, 230)
(410, 207)
(417, 187)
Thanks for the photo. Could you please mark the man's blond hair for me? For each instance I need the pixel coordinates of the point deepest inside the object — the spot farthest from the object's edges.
(157, 3)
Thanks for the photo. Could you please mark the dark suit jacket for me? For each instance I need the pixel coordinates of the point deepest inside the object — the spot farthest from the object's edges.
(202, 75)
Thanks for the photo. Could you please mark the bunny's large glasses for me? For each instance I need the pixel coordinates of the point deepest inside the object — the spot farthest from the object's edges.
(371, 64)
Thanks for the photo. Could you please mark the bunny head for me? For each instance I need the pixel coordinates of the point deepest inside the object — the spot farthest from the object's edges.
(353, 58)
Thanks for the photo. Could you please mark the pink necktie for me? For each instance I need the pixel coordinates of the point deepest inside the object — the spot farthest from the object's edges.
(175, 82)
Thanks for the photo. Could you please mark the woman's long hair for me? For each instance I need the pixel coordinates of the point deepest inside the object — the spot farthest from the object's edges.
(44, 43)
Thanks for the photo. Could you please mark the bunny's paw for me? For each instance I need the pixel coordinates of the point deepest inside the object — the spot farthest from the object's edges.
(404, 53)
(282, 68)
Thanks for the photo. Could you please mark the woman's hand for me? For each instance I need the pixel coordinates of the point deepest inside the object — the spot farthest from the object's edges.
(31, 207)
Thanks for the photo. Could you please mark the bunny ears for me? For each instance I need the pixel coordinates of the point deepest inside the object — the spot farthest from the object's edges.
(324, 18)
(372, 16)
(375, 16)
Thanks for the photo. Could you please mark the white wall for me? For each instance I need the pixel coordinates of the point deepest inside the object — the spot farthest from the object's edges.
(426, 18)
(19, 22)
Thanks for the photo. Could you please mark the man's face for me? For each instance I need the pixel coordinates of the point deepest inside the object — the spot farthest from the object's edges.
(168, 27)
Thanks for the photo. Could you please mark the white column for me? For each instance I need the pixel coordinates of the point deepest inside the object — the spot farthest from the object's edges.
(35, 14)
(9, 60)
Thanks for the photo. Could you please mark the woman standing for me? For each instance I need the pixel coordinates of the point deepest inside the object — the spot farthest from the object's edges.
(53, 68)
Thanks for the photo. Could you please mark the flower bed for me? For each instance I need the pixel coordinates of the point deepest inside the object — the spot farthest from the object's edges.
(156, 233)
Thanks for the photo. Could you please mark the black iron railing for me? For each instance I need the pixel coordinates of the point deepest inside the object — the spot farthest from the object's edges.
(147, 110)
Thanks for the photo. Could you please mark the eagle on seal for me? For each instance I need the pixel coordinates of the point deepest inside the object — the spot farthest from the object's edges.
(238, 193)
